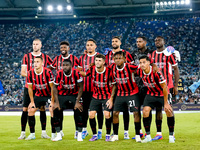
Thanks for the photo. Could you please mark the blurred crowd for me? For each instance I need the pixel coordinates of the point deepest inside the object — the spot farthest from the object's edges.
(183, 33)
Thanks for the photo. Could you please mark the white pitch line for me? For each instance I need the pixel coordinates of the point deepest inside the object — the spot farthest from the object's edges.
(70, 113)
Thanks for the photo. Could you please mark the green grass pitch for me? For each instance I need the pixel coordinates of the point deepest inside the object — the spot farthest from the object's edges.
(187, 133)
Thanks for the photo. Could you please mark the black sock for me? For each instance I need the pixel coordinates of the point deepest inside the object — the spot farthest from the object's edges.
(75, 122)
(53, 130)
(31, 122)
(170, 123)
(56, 120)
(100, 119)
(24, 119)
(137, 127)
(146, 122)
(158, 125)
(93, 126)
(43, 119)
(150, 117)
(108, 126)
(79, 119)
(115, 128)
(126, 120)
(85, 117)
(61, 119)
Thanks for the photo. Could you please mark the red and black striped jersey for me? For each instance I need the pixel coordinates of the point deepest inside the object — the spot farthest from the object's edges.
(110, 57)
(41, 81)
(68, 84)
(164, 63)
(102, 82)
(58, 61)
(125, 80)
(152, 81)
(28, 61)
(84, 62)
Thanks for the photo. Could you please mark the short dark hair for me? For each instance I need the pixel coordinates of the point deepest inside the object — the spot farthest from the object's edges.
(120, 53)
(64, 43)
(67, 61)
(161, 37)
(144, 57)
(116, 37)
(92, 41)
(142, 37)
(100, 56)
(39, 57)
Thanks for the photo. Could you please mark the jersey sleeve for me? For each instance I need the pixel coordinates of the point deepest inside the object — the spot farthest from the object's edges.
(89, 71)
(79, 77)
(53, 65)
(172, 60)
(112, 79)
(29, 78)
(133, 68)
(25, 61)
(160, 77)
(50, 77)
(80, 62)
(76, 61)
(57, 78)
(129, 58)
(49, 60)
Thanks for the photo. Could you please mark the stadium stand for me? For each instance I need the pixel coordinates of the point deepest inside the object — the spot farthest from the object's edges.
(16, 39)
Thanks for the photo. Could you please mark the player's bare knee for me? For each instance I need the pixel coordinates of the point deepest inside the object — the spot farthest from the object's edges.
(169, 113)
(92, 114)
(107, 114)
(136, 116)
(115, 113)
(146, 111)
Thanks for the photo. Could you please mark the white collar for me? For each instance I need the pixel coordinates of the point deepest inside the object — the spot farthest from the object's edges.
(39, 73)
(67, 75)
(159, 52)
(122, 67)
(102, 71)
(149, 71)
(92, 55)
(65, 57)
(115, 52)
(36, 55)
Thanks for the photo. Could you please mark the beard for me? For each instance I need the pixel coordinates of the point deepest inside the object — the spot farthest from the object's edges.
(115, 47)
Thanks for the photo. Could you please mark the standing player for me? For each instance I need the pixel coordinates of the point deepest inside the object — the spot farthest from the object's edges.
(58, 60)
(143, 50)
(27, 64)
(164, 63)
(42, 79)
(58, 63)
(68, 88)
(127, 93)
(157, 96)
(102, 84)
(116, 43)
(84, 64)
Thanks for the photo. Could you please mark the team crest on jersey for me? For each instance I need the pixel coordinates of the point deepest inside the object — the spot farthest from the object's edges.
(163, 57)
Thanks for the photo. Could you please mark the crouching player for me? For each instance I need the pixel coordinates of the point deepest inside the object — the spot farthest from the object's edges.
(68, 88)
(41, 78)
(157, 96)
(102, 82)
